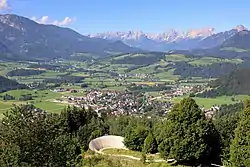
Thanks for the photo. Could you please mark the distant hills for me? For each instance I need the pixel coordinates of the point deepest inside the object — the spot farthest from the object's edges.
(237, 46)
(240, 40)
(7, 84)
(26, 38)
(173, 39)
(237, 82)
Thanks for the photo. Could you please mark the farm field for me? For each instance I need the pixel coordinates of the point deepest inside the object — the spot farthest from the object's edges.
(40, 99)
(208, 102)
(107, 75)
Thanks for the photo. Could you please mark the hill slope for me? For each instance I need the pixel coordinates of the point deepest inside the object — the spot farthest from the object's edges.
(7, 84)
(237, 82)
(240, 40)
(27, 38)
(237, 46)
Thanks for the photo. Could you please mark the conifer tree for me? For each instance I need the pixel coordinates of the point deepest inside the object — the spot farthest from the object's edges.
(240, 147)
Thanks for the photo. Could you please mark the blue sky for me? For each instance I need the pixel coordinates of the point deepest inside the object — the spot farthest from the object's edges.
(92, 16)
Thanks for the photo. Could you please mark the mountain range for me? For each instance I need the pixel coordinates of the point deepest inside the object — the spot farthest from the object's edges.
(173, 39)
(26, 38)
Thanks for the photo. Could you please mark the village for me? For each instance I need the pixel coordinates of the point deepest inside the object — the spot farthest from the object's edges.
(128, 102)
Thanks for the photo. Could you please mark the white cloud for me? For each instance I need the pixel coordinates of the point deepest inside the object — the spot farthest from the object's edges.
(45, 20)
(64, 22)
(4, 5)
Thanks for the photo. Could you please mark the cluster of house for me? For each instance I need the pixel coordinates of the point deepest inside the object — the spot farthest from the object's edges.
(175, 92)
(211, 111)
(116, 102)
(65, 90)
(137, 75)
(123, 102)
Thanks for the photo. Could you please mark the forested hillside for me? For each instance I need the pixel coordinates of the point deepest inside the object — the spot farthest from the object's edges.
(240, 40)
(235, 83)
(7, 84)
(62, 139)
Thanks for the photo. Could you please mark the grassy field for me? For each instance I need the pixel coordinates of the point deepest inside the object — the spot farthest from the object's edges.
(177, 58)
(167, 76)
(210, 60)
(107, 161)
(208, 102)
(159, 72)
(41, 99)
(51, 106)
(131, 153)
(234, 49)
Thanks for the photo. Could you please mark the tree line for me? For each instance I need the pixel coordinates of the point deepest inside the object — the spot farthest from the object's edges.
(234, 83)
(24, 72)
(8, 84)
(32, 137)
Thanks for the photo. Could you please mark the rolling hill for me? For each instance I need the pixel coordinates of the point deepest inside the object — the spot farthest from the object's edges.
(237, 82)
(27, 38)
(138, 58)
(237, 46)
(240, 40)
(7, 84)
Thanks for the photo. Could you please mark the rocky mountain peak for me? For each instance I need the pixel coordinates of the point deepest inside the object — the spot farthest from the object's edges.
(202, 32)
(15, 21)
(240, 28)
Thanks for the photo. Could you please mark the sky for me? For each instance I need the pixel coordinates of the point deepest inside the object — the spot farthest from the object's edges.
(155, 16)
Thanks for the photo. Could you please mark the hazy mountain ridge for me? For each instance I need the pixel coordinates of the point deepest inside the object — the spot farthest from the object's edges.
(236, 46)
(25, 37)
(172, 39)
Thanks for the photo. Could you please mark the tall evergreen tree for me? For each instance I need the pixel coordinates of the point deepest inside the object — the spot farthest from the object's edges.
(150, 144)
(191, 139)
(240, 147)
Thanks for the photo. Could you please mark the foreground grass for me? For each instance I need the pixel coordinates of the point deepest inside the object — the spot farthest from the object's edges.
(130, 153)
(109, 161)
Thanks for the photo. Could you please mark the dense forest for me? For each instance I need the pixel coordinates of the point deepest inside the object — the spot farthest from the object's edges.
(138, 59)
(236, 82)
(214, 70)
(24, 72)
(32, 137)
(64, 79)
(7, 84)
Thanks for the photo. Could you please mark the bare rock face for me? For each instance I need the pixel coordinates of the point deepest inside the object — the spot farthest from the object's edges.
(240, 28)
